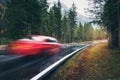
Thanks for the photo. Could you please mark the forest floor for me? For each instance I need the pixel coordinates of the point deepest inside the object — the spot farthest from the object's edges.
(96, 62)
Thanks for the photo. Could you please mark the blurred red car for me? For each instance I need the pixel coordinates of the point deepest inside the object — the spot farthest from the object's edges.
(35, 44)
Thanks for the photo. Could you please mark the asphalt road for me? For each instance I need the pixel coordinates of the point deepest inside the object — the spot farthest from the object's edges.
(14, 67)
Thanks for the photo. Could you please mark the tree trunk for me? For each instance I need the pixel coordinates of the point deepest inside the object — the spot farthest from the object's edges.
(110, 37)
(118, 27)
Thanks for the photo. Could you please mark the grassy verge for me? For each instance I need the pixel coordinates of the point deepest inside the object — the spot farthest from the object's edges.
(97, 62)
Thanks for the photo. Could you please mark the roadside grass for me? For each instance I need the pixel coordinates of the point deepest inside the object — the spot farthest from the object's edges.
(97, 62)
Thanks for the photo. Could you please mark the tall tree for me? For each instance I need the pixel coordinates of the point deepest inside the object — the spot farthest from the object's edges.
(51, 22)
(23, 17)
(64, 28)
(56, 19)
(72, 20)
(58, 16)
(2, 18)
(109, 18)
(81, 28)
(33, 15)
(44, 17)
(78, 33)
(15, 19)
(100, 34)
(88, 31)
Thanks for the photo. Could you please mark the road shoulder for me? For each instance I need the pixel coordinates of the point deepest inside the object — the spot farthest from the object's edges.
(97, 62)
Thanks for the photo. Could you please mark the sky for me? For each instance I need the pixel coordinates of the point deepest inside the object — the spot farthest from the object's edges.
(80, 5)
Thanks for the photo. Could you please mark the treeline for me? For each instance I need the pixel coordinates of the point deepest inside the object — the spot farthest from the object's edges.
(108, 14)
(19, 18)
(87, 32)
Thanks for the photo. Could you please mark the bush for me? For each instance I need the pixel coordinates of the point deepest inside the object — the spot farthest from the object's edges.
(4, 41)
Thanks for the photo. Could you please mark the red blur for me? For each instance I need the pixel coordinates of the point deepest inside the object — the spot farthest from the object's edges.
(35, 44)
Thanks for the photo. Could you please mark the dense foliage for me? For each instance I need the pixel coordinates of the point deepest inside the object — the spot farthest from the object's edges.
(2, 18)
(25, 17)
(108, 14)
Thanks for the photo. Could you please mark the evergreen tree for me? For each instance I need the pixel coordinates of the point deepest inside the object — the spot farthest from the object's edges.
(108, 12)
(72, 21)
(58, 17)
(51, 22)
(64, 28)
(88, 32)
(91, 32)
(2, 18)
(81, 28)
(86, 29)
(56, 20)
(16, 19)
(25, 17)
(44, 17)
(33, 15)
(99, 34)
(79, 33)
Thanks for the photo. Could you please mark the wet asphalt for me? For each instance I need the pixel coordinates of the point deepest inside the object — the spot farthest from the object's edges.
(17, 67)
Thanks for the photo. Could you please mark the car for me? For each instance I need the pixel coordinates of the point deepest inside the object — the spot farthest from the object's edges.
(35, 44)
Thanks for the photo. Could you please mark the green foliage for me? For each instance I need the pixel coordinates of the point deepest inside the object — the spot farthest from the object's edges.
(100, 34)
(55, 21)
(43, 17)
(64, 28)
(4, 41)
(72, 14)
(78, 33)
(88, 31)
(15, 18)
(108, 14)
(24, 17)
(2, 18)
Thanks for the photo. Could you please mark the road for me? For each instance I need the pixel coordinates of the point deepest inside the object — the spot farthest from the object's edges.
(14, 67)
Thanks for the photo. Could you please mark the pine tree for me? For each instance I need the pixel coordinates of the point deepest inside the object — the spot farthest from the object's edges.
(16, 19)
(81, 31)
(78, 33)
(2, 18)
(72, 21)
(25, 17)
(108, 12)
(64, 28)
(88, 32)
(44, 17)
(51, 22)
(56, 19)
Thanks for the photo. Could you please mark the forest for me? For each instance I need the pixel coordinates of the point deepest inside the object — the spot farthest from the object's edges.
(20, 18)
(107, 13)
